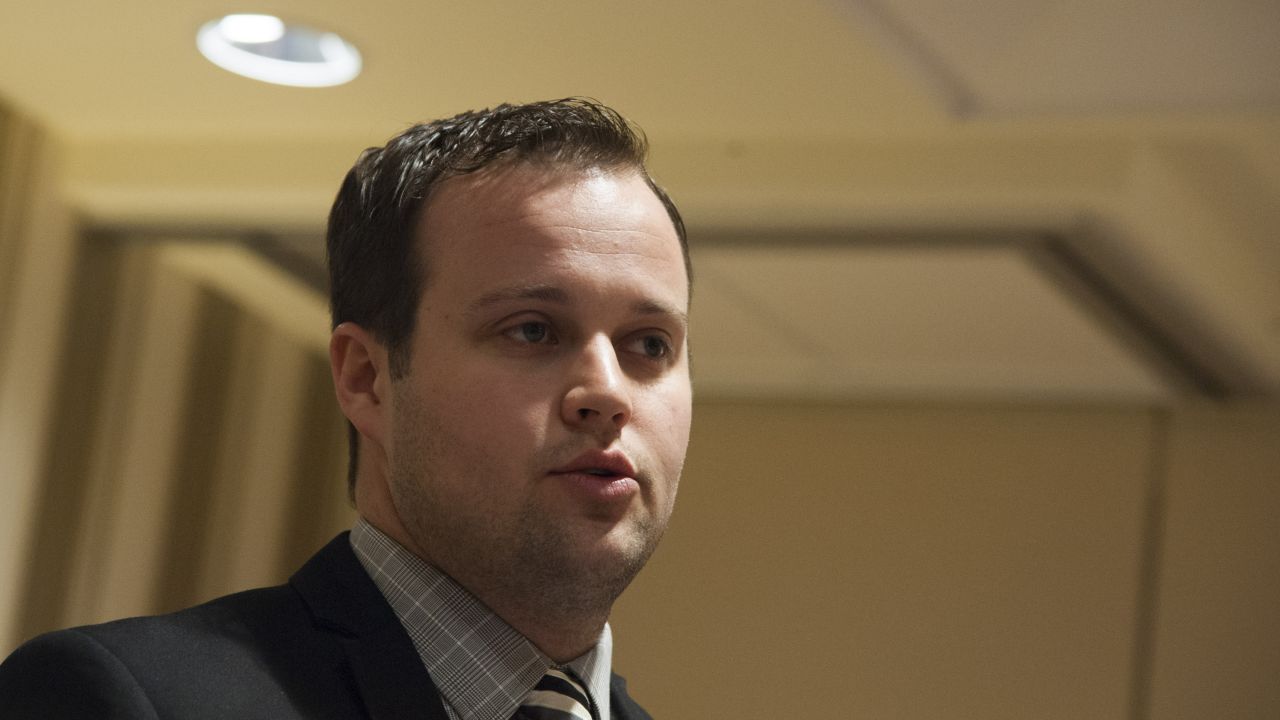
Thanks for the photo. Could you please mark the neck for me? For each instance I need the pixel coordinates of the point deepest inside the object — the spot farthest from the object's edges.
(562, 626)
(560, 636)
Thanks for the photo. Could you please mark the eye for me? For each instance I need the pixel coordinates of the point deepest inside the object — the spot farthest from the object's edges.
(534, 333)
(654, 347)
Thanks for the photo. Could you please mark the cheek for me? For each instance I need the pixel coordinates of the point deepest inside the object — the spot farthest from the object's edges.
(501, 411)
(670, 427)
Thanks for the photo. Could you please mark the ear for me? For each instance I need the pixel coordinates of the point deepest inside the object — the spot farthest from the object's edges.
(362, 380)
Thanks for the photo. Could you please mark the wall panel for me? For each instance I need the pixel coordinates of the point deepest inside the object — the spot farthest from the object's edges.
(896, 562)
(1217, 630)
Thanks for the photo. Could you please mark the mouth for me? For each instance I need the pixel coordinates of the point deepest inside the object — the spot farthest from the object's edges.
(605, 480)
(606, 465)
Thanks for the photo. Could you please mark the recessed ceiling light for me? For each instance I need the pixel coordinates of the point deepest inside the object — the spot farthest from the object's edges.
(264, 47)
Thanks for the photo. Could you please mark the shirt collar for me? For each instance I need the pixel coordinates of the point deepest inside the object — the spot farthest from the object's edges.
(481, 665)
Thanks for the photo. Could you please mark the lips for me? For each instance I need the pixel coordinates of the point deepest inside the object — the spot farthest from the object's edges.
(605, 464)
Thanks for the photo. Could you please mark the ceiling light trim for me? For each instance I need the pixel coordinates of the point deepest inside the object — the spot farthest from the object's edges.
(339, 63)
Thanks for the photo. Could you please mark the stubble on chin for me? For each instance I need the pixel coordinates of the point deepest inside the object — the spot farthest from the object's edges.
(542, 559)
(584, 576)
(523, 551)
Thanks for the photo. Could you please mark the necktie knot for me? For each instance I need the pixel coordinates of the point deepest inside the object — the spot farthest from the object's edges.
(559, 695)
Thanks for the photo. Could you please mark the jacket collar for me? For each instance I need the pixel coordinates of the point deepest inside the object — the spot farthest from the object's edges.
(385, 667)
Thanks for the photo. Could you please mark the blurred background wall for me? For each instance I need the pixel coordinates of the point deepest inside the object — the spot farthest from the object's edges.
(986, 330)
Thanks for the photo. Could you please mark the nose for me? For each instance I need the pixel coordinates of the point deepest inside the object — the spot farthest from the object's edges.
(597, 399)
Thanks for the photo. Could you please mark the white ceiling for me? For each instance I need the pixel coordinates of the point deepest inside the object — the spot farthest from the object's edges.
(129, 68)
(938, 320)
(1143, 136)
(1089, 57)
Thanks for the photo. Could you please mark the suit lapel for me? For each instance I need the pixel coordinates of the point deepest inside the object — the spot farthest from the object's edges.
(390, 693)
(386, 668)
(621, 706)
(388, 674)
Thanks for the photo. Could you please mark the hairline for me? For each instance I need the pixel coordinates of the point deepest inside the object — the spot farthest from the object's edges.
(545, 162)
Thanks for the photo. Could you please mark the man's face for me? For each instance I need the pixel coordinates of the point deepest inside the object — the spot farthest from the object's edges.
(538, 436)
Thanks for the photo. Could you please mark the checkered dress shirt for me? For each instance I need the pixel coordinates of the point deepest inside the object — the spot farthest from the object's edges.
(482, 666)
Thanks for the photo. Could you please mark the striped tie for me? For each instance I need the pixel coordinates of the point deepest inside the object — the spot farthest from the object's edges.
(559, 695)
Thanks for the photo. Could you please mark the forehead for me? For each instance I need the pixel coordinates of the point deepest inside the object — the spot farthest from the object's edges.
(501, 219)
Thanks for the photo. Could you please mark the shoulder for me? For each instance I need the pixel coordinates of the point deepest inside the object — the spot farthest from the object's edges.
(258, 643)
(276, 652)
(123, 669)
(69, 674)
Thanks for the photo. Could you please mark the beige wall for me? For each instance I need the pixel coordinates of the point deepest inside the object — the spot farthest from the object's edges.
(965, 562)
(1217, 615)
(194, 446)
(36, 252)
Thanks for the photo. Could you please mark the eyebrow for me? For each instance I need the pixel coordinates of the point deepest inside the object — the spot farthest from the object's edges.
(558, 296)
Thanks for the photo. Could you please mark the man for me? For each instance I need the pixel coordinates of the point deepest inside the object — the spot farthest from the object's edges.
(509, 292)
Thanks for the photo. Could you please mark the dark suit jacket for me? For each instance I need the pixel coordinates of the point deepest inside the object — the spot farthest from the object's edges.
(327, 645)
